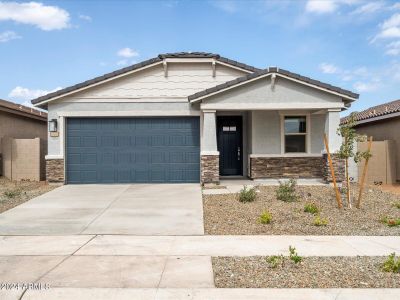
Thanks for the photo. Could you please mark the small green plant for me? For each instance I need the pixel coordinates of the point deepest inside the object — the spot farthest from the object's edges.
(390, 222)
(247, 194)
(287, 191)
(11, 194)
(311, 208)
(397, 204)
(265, 217)
(275, 260)
(391, 264)
(294, 257)
(318, 221)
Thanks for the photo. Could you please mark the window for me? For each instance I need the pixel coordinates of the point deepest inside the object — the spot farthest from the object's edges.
(295, 134)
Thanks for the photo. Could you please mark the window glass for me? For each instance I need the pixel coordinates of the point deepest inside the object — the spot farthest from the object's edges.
(295, 125)
(295, 143)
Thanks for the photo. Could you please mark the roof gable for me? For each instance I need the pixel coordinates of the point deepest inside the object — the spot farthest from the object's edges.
(268, 72)
(139, 66)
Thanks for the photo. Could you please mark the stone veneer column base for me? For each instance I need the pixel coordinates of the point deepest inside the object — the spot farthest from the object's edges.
(286, 167)
(55, 170)
(338, 166)
(209, 169)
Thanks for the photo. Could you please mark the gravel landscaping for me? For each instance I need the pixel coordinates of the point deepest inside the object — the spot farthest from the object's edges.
(312, 272)
(225, 215)
(15, 193)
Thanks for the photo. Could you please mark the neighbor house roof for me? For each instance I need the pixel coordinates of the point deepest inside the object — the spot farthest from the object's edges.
(267, 71)
(382, 111)
(142, 64)
(22, 110)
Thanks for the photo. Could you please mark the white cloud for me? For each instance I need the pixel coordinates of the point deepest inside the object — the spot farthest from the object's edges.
(35, 13)
(22, 93)
(8, 36)
(363, 87)
(390, 28)
(226, 5)
(328, 68)
(321, 6)
(127, 52)
(86, 18)
(369, 8)
(393, 48)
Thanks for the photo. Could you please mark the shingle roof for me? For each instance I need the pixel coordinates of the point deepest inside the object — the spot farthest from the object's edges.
(271, 70)
(142, 64)
(375, 111)
(22, 109)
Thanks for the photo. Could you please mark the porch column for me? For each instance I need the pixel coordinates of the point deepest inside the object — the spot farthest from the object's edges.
(209, 151)
(332, 122)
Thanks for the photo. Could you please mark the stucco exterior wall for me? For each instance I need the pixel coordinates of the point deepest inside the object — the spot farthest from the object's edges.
(21, 127)
(266, 132)
(388, 129)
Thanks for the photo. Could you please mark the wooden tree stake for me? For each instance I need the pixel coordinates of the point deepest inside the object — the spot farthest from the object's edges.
(364, 174)
(338, 198)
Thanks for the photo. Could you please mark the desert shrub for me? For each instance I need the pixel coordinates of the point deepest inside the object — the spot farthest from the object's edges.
(265, 217)
(275, 260)
(287, 191)
(318, 221)
(247, 194)
(390, 221)
(397, 204)
(294, 257)
(311, 208)
(11, 193)
(391, 264)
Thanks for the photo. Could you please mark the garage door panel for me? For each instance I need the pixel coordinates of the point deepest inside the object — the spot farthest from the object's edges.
(133, 150)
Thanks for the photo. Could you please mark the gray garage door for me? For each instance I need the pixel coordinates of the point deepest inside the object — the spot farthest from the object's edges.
(123, 150)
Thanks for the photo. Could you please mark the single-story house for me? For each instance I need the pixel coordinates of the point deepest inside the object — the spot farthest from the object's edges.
(21, 122)
(382, 122)
(192, 117)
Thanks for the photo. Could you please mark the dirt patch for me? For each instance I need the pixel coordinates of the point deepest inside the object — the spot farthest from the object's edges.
(15, 193)
(224, 214)
(312, 272)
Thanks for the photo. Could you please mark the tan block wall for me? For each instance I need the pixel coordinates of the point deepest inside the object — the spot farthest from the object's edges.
(22, 159)
(385, 130)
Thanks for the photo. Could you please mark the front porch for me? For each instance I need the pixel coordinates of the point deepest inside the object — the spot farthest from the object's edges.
(268, 144)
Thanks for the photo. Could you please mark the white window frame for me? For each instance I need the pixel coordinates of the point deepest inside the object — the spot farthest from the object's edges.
(307, 134)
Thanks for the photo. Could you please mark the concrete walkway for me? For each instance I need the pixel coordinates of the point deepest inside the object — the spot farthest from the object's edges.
(165, 267)
(134, 209)
(119, 245)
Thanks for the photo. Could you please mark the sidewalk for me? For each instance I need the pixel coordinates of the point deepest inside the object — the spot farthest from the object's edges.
(208, 245)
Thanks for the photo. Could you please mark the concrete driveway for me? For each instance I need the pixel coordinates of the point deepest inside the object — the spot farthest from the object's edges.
(136, 209)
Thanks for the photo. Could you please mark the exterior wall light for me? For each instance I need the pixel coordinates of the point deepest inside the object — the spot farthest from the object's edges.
(53, 125)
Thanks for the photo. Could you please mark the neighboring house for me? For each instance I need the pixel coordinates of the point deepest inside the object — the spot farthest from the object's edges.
(382, 122)
(192, 117)
(19, 121)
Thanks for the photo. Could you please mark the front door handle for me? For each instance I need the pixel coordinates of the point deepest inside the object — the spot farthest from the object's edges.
(238, 153)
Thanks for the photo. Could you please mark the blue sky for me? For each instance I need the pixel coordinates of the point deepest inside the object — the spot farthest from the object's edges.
(354, 44)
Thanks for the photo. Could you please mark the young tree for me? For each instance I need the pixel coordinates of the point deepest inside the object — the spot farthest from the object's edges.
(346, 151)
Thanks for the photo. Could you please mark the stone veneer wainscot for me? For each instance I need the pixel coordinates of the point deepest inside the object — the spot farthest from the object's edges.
(55, 170)
(209, 169)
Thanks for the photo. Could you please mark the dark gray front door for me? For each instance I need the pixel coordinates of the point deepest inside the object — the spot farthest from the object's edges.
(128, 150)
(230, 145)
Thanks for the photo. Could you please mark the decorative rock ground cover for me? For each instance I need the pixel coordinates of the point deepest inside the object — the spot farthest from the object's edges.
(14, 193)
(311, 272)
(225, 215)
